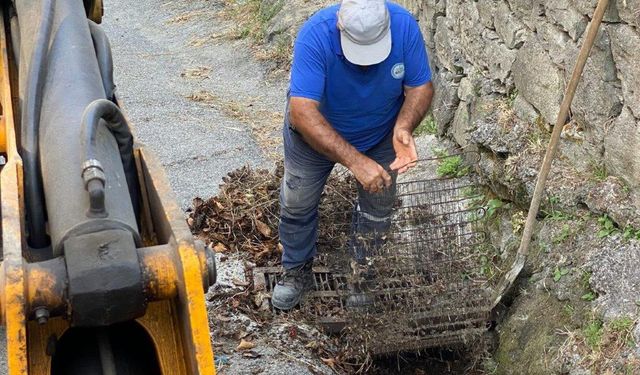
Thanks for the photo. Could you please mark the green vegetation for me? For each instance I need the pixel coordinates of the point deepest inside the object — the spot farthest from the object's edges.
(252, 19)
(631, 233)
(493, 206)
(427, 126)
(518, 221)
(513, 95)
(452, 166)
(597, 334)
(621, 325)
(600, 173)
(553, 213)
(593, 332)
(440, 152)
(563, 235)
(607, 227)
(559, 273)
(589, 296)
(568, 310)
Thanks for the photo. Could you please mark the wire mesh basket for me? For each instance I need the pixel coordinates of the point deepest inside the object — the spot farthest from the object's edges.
(404, 269)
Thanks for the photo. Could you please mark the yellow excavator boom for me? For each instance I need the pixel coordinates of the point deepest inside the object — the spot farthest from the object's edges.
(102, 290)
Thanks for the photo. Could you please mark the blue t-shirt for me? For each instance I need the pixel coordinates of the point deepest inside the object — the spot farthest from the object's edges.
(361, 104)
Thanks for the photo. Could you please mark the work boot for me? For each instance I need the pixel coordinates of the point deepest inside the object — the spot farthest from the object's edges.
(295, 282)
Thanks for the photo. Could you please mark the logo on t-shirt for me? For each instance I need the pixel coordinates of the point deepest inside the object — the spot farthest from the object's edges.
(398, 71)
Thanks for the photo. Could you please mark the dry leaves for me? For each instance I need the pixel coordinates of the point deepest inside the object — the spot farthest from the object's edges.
(198, 72)
(244, 216)
(240, 283)
(245, 345)
(203, 96)
(220, 248)
(263, 228)
(331, 362)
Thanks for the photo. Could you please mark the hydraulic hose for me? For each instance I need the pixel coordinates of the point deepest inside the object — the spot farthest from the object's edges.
(92, 170)
(105, 59)
(31, 111)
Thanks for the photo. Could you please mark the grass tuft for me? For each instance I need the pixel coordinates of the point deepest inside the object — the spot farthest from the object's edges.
(452, 166)
(427, 126)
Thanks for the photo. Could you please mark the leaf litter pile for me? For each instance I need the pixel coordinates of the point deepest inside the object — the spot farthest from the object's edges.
(244, 216)
(243, 219)
(406, 270)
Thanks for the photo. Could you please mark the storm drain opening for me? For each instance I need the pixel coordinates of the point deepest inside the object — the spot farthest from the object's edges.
(408, 269)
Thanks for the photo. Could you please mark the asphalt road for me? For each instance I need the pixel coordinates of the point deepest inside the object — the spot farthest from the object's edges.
(153, 45)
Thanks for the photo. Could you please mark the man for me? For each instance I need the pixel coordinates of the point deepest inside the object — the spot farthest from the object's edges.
(360, 85)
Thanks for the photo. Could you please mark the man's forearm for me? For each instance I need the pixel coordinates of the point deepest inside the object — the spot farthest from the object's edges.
(319, 134)
(416, 104)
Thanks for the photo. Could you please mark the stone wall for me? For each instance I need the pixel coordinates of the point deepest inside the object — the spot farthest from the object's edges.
(500, 70)
(515, 56)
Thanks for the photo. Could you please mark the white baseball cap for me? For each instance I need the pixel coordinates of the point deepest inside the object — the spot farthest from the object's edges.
(365, 31)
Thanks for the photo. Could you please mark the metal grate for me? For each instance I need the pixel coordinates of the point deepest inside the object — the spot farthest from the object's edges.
(404, 271)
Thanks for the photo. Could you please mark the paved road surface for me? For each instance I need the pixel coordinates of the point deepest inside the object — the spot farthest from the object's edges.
(197, 144)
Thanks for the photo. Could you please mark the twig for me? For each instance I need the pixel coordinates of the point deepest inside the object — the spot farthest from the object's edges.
(302, 360)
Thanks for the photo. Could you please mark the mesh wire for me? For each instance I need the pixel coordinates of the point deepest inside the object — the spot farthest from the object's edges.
(404, 269)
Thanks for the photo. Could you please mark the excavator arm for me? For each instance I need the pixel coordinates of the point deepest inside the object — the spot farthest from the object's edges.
(100, 273)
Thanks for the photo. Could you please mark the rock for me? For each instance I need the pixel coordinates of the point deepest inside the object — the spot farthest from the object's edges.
(615, 277)
(487, 135)
(526, 10)
(629, 11)
(625, 44)
(461, 124)
(599, 96)
(431, 10)
(467, 89)
(412, 6)
(448, 47)
(511, 30)
(563, 13)
(499, 60)
(622, 148)
(554, 41)
(580, 371)
(527, 335)
(538, 80)
(487, 12)
(445, 101)
(525, 110)
(587, 7)
(612, 197)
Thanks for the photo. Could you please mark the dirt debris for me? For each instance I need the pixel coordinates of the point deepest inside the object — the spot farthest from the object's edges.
(244, 216)
(197, 72)
(242, 222)
(265, 125)
(190, 15)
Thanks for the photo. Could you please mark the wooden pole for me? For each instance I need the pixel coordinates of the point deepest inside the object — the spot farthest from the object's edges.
(552, 148)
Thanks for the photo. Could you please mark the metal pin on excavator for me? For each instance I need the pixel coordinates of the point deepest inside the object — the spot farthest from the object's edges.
(99, 273)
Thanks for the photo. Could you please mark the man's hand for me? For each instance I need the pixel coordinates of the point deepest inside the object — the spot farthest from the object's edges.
(370, 174)
(405, 147)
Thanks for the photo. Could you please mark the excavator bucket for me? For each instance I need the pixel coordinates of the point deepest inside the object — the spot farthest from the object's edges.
(113, 282)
